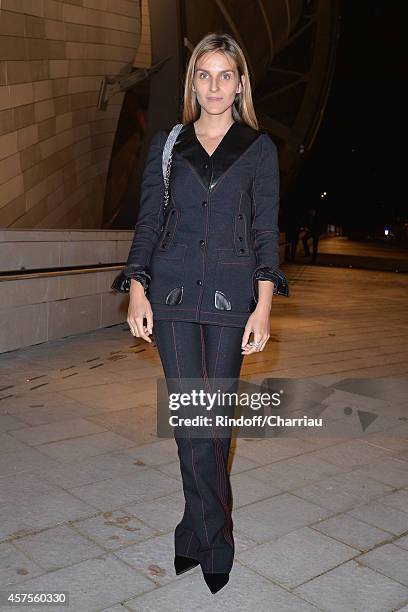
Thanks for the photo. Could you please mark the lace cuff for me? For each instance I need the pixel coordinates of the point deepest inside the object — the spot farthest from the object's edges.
(122, 283)
(279, 279)
(139, 273)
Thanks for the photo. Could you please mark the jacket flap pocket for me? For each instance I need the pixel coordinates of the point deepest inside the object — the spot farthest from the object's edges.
(230, 256)
(176, 252)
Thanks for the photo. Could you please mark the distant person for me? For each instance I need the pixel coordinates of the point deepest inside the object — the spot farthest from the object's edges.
(293, 224)
(314, 228)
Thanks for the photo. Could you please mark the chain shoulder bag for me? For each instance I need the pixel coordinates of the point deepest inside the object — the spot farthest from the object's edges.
(121, 284)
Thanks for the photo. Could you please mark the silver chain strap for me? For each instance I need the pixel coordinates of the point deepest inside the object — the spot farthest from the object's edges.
(166, 162)
(166, 183)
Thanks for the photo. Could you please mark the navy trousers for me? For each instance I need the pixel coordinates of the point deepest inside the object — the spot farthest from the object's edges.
(203, 351)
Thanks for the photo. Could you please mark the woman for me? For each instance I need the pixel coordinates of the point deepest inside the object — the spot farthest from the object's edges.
(209, 266)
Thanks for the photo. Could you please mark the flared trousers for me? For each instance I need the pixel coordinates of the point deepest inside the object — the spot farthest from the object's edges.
(204, 352)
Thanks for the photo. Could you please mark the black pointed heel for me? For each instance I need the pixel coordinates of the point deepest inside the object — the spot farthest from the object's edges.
(183, 564)
(215, 582)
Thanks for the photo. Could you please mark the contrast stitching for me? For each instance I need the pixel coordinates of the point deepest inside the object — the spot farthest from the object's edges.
(224, 315)
(146, 225)
(221, 470)
(224, 502)
(188, 547)
(192, 449)
(175, 350)
(203, 255)
(199, 492)
(221, 457)
(253, 184)
(218, 351)
(206, 381)
(171, 308)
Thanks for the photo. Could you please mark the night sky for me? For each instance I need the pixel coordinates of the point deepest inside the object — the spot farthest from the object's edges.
(365, 113)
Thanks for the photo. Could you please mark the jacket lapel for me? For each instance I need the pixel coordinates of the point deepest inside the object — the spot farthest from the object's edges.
(209, 169)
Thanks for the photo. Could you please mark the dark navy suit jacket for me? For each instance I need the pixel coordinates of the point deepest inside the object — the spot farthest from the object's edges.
(219, 234)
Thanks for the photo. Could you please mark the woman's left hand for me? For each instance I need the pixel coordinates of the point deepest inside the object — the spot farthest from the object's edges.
(259, 324)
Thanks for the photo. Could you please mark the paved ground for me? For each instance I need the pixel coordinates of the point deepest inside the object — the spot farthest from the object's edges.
(89, 497)
(366, 254)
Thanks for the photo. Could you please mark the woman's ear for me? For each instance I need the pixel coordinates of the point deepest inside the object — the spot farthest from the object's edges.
(241, 84)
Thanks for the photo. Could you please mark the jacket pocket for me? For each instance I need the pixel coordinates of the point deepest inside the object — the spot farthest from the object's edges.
(167, 269)
(233, 279)
(241, 235)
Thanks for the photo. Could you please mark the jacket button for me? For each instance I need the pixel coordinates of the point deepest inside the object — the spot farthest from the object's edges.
(240, 216)
(199, 282)
(205, 166)
(242, 250)
(240, 238)
(204, 203)
(164, 245)
(202, 243)
(167, 233)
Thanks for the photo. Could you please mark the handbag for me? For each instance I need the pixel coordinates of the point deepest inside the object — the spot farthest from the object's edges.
(121, 283)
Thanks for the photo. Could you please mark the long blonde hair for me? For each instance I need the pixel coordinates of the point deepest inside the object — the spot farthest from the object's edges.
(242, 108)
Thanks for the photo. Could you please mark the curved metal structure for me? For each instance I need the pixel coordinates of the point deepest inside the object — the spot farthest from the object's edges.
(290, 46)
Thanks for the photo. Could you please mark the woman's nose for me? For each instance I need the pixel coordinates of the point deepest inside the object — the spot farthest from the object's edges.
(213, 85)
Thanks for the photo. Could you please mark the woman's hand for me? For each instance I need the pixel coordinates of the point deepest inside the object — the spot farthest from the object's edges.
(259, 324)
(259, 321)
(139, 308)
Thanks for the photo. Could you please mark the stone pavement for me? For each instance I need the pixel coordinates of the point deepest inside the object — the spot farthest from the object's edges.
(366, 254)
(89, 497)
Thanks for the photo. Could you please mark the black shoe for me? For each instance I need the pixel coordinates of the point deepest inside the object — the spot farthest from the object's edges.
(183, 564)
(215, 582)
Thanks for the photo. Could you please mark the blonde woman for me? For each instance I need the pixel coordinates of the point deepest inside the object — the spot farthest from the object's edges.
(204, 273)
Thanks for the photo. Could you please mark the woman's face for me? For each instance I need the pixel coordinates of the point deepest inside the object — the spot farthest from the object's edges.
(216, 82)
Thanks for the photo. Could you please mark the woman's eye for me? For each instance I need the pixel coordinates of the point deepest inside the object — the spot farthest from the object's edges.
(225, 76)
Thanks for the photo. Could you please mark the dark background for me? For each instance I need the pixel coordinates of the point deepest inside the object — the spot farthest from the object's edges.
(357, 157)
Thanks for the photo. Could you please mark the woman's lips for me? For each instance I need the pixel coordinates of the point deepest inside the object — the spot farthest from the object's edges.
(214, 99)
